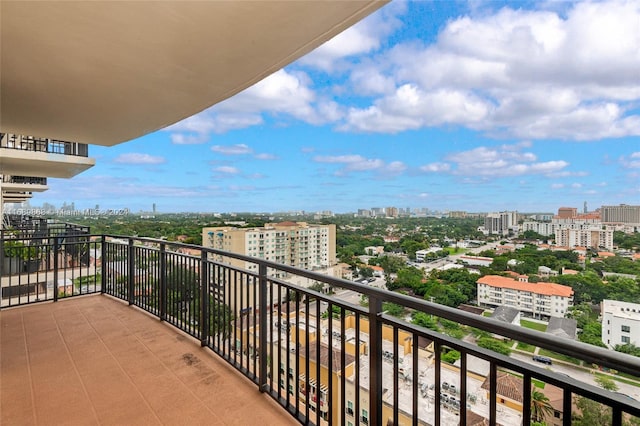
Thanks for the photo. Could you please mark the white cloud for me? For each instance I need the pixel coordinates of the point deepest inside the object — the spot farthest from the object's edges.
(137, 158)
(238, 149)
(227, 170)
(557, 185)
(283, 94)
(632, 161)
(502, 161)
(358, 163)
(436, 167)
(520, 73)
(265, 156)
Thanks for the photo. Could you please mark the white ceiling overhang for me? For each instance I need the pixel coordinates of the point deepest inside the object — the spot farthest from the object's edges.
(109, 71)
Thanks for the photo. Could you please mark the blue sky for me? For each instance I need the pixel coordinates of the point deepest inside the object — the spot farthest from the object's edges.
(476, 106)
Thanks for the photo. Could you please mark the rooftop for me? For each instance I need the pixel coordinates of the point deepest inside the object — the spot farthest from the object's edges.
(94, 359)
(549, 289)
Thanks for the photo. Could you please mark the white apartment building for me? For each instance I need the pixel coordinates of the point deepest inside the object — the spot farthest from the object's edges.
(584, 236)
(500, 223)
(542, 228)
(538, 299)
(620, 323)
(290, 243)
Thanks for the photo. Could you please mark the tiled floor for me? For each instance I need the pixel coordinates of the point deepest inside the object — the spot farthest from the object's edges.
(95, 360)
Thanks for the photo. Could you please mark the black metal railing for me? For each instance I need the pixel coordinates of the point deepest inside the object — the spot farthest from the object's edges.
(323, 359)
(23, 227)
(24, 180)
(47, 145)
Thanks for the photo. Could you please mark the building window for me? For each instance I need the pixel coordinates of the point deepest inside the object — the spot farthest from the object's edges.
(625, 339)
(365, 416)
(626, 329)
(350, 408)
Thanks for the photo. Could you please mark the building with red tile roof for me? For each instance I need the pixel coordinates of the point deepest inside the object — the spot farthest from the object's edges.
(536, 299)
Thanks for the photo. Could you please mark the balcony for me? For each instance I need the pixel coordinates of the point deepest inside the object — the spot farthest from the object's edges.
(42, 157)
(217, 325)
(23, 183)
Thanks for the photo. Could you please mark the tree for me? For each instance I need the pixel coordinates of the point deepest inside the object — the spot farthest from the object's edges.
(424, 320)
(393, 309)
(628, 348)
(494, 345)
(606, 383)
(540, 406)
(366, 272)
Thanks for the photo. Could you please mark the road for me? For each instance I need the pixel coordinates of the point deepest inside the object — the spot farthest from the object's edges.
(578, 374)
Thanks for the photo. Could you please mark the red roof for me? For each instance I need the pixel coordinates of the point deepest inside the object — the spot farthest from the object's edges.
(548, 289)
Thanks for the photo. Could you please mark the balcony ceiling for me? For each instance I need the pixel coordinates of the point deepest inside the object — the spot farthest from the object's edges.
(107, 72)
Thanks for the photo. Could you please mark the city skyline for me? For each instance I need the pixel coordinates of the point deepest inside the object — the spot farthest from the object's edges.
(449, 106)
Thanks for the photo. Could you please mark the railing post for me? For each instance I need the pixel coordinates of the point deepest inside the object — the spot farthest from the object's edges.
(131, 276)
(204, 299)
(56, 250)
(262, 282)
(163, 283)
(103, 262)
(375, 361)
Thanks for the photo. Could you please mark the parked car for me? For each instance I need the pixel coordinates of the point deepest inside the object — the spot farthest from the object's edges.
(542, 359)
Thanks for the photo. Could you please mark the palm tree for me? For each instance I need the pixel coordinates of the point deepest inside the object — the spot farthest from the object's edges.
(540, 406)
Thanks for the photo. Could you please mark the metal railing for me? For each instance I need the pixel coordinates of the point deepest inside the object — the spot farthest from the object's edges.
(325, 360)
(25, 180)
(23, 227)
(36, 144)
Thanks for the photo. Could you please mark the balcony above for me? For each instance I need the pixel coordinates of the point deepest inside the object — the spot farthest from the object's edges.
(41, 157)
(23, 183)
(95, 360)
(106, 72)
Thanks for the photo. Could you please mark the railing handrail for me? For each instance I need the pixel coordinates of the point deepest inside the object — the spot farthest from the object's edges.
(616, 360)
(45, 145)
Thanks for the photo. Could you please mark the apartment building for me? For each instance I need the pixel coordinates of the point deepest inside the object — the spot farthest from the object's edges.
(620, 323)
(536, 299)
(542, 228)
(296, 244)
(584, 236)
(500, 223)
(621, 214)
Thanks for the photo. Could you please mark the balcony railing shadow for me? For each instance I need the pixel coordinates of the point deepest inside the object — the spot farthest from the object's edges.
(326, 361)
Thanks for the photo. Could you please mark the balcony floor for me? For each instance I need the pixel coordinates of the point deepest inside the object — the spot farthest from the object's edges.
(95, 360)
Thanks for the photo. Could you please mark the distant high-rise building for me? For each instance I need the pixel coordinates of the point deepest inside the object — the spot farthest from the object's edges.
(567, 212)
(154, 208)
(585, 208)
(377, 211)
(500, 223)
(621, 214)
(457, 214)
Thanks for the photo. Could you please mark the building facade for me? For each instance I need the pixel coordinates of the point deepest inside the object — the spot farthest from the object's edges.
(296, 244)
(621, 214)
(584, 236)
(620, 323)
(500, 223)
(536, 299)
